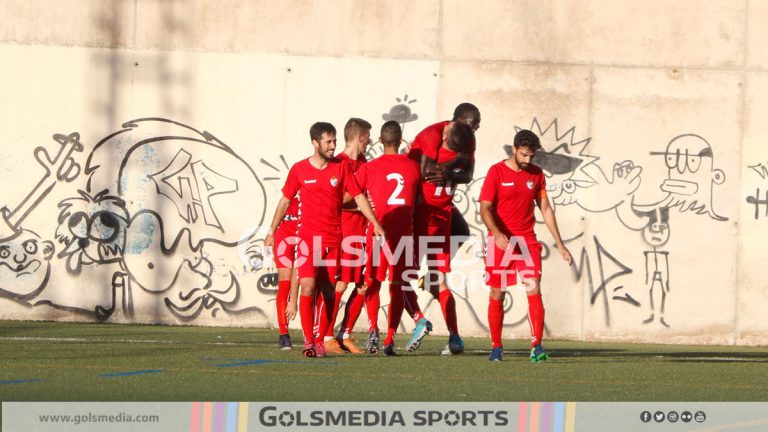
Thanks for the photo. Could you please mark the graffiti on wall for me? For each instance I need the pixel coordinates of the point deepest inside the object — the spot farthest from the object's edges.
(759, 200)
(155, 208)
(575, 179)
(151, 208)
(24, 256)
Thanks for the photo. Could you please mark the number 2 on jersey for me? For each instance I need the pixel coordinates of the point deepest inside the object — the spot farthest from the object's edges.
(394, 199)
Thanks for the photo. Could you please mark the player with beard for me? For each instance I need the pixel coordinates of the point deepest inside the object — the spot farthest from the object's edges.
(507, 198)
(320, 182)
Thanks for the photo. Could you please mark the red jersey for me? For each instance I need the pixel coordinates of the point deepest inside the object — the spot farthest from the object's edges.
(512, 194)
(429, 142)
(290, 223)
(353, 221)
(292, 214)
(321, 193)
(392, 182)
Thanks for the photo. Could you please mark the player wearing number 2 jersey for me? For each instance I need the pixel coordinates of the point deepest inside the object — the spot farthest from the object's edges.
(392, 182)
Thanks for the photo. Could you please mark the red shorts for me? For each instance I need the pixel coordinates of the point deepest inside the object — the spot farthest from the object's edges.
(432, 234)
(321, 264)
(353, 252)
(522, 258)
(286, 243)
(396, 262)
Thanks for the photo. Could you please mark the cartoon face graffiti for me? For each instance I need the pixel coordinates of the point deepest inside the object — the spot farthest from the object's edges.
(656, 233)
(690, 175)
(24, 265)
(92, 228)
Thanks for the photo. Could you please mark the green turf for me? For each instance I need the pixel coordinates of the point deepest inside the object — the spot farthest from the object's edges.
(73, 362)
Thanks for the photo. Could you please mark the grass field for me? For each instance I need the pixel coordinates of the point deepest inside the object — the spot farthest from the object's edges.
(44, 361)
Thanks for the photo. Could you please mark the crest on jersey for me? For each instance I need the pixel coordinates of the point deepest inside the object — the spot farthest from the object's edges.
(529, 183)
(334, 181)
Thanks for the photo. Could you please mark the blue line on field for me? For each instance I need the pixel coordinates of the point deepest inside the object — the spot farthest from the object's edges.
(262, 361)
(130, 373)
(22, 381)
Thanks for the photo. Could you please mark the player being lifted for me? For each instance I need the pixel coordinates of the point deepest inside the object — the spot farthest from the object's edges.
(392, 182)
(507, 198)
(320, 182)
(445, 152)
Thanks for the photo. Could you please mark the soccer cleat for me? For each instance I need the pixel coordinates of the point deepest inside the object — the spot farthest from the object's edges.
(320, 349)
(422, 329)
(538, 354)
(309, 352)
(349, 345)
(332, 347)
(455, 344)
(497, 354)
(285, 342)
(389, 350)
(372, 345)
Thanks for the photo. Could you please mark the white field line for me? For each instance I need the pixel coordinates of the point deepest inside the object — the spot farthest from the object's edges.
(135, 341)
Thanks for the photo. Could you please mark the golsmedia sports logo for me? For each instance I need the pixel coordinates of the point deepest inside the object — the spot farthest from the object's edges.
(272, 417)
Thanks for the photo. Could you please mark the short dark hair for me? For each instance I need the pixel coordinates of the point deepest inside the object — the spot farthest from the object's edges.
(391, 133)
(463, 109)
(318, 129)
(460, 137)
(526, 138)
(354, 127)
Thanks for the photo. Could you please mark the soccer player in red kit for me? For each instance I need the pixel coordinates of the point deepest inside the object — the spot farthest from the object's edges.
(357, 137)
(320, 182)
(507, 198)
(445, 152)
(392, 181)
(286, 300)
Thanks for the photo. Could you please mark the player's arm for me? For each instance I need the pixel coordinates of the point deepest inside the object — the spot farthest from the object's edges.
(464, 176)
(365, 208)
(348, 204)
(280, 211)
(551, 221)
(486, 214)
(293, 298)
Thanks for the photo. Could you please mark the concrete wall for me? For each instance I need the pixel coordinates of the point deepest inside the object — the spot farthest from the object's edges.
(224, 93)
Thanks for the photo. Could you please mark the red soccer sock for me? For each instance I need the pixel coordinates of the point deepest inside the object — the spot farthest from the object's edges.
(336, 303)
(324, 312)
(354, 307)
(395, 312)
(281, 303)
(495, 320)
(411, 304)
(536, 318)
(307, 314)
(372, 305)
(448, 305)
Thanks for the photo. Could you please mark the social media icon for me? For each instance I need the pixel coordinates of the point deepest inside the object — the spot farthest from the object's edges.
(686, 416)
(700, 416)
(645, 416)
(658, 416)
(673, 416)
